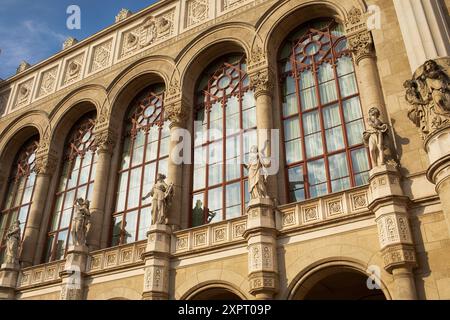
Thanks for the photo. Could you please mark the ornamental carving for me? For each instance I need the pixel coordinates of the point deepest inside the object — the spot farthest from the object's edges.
(428, 94)
(262, 82)
(228, 4)
(45, 164)
(177, 114)
(197, 11)
(104, 141)
(48, 82)
(361, 44)
(23, 93)
(22, 67)
(152, 30)
(375, 137)
(123, 14)
(73, 69)
(101, 56)
(310, 214)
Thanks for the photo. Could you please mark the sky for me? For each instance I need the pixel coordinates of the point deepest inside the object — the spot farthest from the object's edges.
(34, 30)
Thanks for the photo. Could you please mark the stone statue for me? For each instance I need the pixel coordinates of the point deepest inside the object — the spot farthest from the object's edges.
(374, 137)
(13, 236)
(429, 96)
(81, 222)
(257, 175)
(162, 195)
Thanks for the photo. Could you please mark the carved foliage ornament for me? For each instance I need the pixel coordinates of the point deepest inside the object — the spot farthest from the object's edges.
(428, 94)
(177, 114)
(361, 44)
(48, 82)
(262, 82)
(197, 11)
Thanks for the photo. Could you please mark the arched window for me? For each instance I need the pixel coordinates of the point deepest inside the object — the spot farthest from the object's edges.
(76, 181)
(321, 112)
(225, 105)
(145, 152)
(20, 191)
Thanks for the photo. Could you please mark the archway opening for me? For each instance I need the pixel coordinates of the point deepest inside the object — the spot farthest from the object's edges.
(216, 294)
(339, 285)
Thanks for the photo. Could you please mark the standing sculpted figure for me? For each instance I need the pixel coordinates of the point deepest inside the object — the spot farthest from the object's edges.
(13, 243)
(257, 174)
(81, 222)
(374, 137)
(162, 195)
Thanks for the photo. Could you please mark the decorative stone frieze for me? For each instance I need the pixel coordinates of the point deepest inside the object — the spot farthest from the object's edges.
(197, 11)
(48, 82)
(23, 94)
(123, 14)
(74, 69)
(101, 56)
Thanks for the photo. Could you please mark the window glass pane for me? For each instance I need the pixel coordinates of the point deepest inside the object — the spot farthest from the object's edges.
(215, 160)
(308, 99)
(126, 154)
(216, 122)
(296, 184)
(232, 116)
(70, 199)
(344, 66)
(61, 245)
(338, 166)
(49, 247)
(306, 79)
(290, 106)
(199, 177)
(311, 123)
(164, 147)
(289, 86)
(340, 184)
(123, 180)
(355, 131)
(23, 214)
(27, 195)
(233, 200)
(331, 116)
(163, 167)
(145, 221)
(134, 189)
(84, 175)
(294, 151)
(328, 92)
(317, 178)
(313, 145)
(130, 227)
(335, 139)
(215, 204)
(248, 119)
(291, 129)
(65, 218)
(198, 217)
(248, 100)
(326, 73)
(348, 85)
(352, 109)
(117, 230)
(360, 160)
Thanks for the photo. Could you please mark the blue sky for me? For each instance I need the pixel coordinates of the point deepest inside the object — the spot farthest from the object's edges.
(33, 30)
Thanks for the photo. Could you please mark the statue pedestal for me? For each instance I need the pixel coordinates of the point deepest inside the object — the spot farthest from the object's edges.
(157, 262)
(9, 274)
(72, 287)
(261, 235)
(389, 204)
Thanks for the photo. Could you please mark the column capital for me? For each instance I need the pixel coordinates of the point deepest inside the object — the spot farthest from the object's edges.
(359, 37)
(46, 163)
(176, 111)
(262, 82)
(105, 141)
(399, 256)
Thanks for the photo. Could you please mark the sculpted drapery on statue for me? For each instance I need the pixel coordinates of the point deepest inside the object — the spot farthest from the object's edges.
(257, 174)
(162, 195)
(374, 138)
(13, 243)
(428, 93)
(81, 222)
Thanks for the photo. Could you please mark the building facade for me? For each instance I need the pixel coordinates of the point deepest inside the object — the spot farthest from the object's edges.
(350, 99)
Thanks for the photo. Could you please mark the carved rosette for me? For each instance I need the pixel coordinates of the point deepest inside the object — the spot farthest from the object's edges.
(359, 37)
(105, 141)
(262, 82)
(177, 114)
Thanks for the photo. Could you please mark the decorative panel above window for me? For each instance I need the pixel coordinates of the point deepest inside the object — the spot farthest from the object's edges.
(145, 153)
(321, 112)
(20, 191)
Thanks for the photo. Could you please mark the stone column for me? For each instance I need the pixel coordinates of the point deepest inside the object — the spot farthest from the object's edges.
(157, 263)
(360, 42)
(9, 273)
(262, 249)
(176, 112)
(72, 287)
(428, 93)
(104, 142)
(46, 163)
(426, 34)
(389, 204)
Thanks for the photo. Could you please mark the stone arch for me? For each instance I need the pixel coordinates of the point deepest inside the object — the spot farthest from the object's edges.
(71, 108)
(279, 21)
(352, 256)
(206, 290)
(231, 280)
(17, 133)
(119, 293)
(131, 81)
(208, 46)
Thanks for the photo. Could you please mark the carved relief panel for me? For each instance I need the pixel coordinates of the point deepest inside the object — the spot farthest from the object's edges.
(393, 229)
(73, 70)
(48, 82)
(23, 93)
(197, 11)
(229, 4)
(101, 56)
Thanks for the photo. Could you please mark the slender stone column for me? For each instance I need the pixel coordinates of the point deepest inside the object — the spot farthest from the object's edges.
(175, 111)
(72, 287)
(360, 42)
(157, 263)
(262, 249)
(104, 142)
(425, 31)
(31, 247)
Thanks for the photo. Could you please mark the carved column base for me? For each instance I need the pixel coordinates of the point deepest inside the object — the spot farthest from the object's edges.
(263, 285)
(9, 274)
(157, 263)
(72, 287)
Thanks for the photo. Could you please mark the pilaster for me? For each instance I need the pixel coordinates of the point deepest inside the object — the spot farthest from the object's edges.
(72, 287)
(9, 274)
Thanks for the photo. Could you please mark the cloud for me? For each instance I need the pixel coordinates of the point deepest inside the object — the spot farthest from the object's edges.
(29, 40)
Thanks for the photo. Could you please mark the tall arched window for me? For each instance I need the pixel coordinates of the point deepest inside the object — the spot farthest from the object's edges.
(321, 112)
(225, 105)
(20, 191)
(145, 153)
(76, 181)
